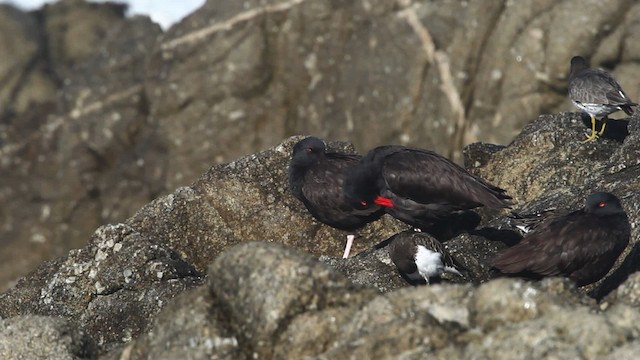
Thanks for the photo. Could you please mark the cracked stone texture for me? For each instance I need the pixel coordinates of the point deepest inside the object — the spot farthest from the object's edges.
(42, 337)
(110, 288)
(90, 157)
(102, 113)
(265, 300)
(266, 294)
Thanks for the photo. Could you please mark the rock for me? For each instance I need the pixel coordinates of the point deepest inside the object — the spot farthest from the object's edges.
(372, 267)
(552, 168)
(95, 160)
(504, 301)
(42, 337)
(23, 71)
(102, 113)
(247, 200)
(184, 329)
(627, 293)
(259, 304)
(131, 124)
(111, 288)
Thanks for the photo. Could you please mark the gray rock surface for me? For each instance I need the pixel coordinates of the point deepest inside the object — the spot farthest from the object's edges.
(134, 122)
(102, 113)
(269, 296)
(268, 301)
(41, 337)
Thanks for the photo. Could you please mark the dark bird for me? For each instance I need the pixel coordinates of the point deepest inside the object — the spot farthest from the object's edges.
(316, 178)
(418, 187)
(597, 93)
(582, 245)
(527, 222)
(419, 256)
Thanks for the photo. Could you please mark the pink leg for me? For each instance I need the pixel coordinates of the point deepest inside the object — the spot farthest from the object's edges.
(347, 248)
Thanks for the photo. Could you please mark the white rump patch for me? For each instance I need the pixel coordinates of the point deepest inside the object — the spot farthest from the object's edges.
(429, 263)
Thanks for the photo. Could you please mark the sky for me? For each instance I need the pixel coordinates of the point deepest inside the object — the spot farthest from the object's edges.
(164, 12)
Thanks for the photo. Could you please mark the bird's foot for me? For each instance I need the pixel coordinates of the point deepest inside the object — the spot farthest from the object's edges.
(594, 136)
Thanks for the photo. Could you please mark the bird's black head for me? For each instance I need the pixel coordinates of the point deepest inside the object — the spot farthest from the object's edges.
(578, 63)
(307, 151)
(603, 203)
(360, 186)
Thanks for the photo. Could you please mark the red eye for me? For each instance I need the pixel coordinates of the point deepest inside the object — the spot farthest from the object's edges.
(602, 204)
(363, 203)
(308, 149)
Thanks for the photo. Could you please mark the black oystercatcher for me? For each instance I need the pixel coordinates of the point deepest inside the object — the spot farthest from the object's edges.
(582, 245)
(597, 93)
(419, 256)
(418, 187)
(317, 178)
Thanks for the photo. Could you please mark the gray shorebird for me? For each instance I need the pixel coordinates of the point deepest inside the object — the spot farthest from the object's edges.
(597, 93)
(316, 178)
(582, 245)
(420, 257)
(418, 187)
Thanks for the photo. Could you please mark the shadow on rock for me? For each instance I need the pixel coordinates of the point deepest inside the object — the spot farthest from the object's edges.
(617, 129)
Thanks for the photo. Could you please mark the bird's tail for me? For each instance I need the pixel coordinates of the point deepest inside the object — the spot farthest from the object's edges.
(628, 108)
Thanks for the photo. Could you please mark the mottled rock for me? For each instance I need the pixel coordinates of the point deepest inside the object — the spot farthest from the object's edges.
(112, 287)
(187, 328)
(102, 113)
(247, 200)
(551, 168)
(93, 158)
(627, 293)
(41, 337)
(259, 304)
(505, 301)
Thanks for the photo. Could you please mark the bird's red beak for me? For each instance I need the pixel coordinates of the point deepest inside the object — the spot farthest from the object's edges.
(383, 201)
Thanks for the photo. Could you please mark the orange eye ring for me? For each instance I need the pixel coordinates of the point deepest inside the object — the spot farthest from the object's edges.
(602, 204)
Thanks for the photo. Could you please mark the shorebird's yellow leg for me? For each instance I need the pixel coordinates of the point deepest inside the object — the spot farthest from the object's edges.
(604, 124)
(593, 135)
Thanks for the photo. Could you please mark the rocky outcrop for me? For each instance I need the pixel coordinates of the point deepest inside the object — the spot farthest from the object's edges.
(275, 286)
(232, 266)
(299, 308)
(40, 337)
(102, 114)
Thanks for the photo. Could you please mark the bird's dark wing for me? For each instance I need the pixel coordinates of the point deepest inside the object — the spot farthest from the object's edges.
(343, 160)
(324, 197)
(427, 177)
(597, 87)
(559, 246)
(527, 222)
(402, 252)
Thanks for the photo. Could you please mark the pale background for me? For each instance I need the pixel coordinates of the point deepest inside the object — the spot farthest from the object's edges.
(164, 12)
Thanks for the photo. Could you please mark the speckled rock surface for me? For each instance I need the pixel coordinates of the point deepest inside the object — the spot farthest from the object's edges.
(101, 113)
(265, 300)
(111, 288)
(270, 296)
(41, 337)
